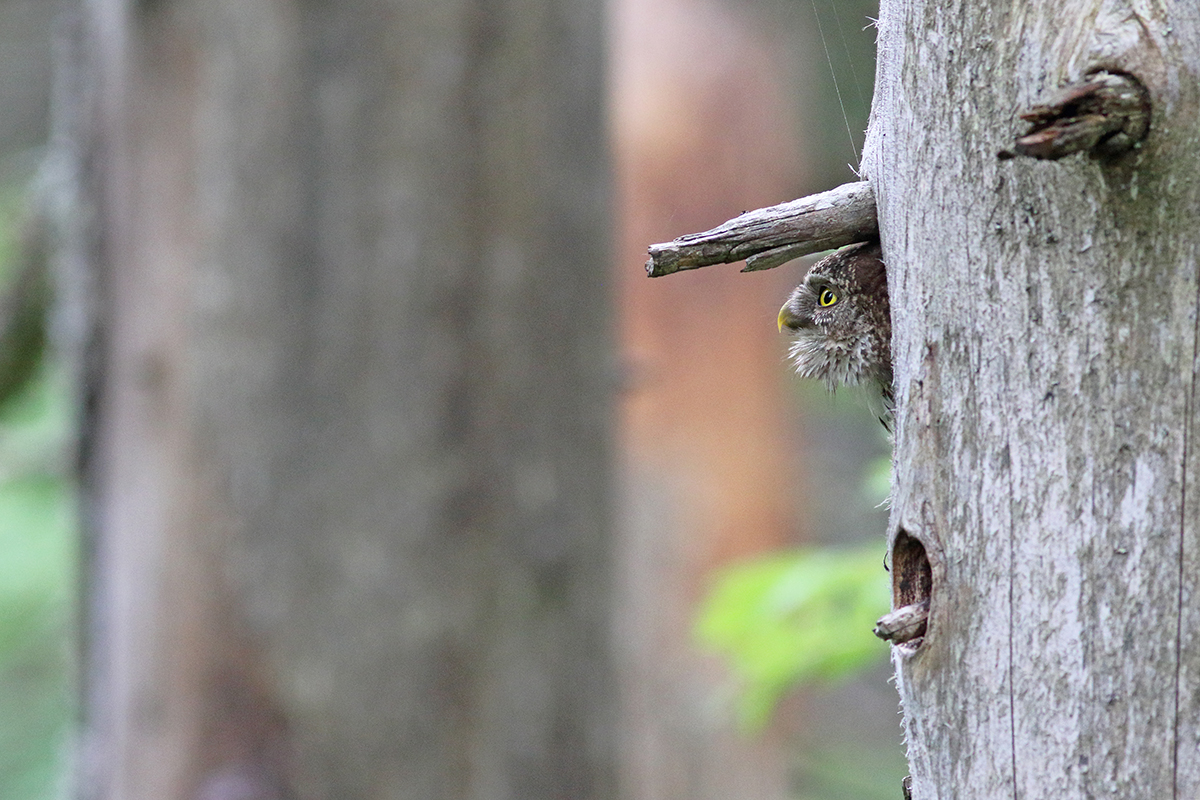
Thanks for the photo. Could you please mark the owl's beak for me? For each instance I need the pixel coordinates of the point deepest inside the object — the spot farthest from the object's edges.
(787, 319)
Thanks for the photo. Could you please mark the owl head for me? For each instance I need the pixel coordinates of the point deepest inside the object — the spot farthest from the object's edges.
(840, 320)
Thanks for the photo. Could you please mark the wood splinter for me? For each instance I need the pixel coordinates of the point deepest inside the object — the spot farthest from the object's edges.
(904, 624)
(1105, 115)
(768, 237)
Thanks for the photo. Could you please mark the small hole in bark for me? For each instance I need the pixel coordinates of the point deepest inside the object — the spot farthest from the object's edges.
(912, 578)
(912, 586)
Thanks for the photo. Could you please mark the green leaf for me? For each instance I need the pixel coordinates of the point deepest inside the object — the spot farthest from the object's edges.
(37, 580)
(793, 618)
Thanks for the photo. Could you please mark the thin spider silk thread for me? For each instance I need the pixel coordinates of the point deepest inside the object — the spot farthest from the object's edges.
(849, 57)
(837, 90)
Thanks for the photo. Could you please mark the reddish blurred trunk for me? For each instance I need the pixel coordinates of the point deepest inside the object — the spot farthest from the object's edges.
(703, 131)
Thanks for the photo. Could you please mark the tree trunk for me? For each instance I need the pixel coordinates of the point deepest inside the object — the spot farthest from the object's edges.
(1046, 360)
(350, 444)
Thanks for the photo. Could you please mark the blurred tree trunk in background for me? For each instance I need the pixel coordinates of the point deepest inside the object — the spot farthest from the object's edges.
(27, 78)
(347, 470)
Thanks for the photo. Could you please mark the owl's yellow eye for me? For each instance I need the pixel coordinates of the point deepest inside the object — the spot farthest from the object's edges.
(827, 297)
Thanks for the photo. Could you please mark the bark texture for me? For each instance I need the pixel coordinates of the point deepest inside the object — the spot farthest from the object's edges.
(1046, 365)
(350, 471)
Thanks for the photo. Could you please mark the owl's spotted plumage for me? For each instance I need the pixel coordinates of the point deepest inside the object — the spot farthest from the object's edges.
(841, 323)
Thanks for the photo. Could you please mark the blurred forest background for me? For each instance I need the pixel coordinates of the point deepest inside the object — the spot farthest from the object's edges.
(729, 535)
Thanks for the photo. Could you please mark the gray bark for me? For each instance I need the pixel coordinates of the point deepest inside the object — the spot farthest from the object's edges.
(349, 465)
(1046, 362)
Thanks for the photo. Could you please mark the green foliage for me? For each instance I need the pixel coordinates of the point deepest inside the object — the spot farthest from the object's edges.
(37, 579)
(848, 769)
(25, 295)
(793, 618)
(878, 482)
(12, 209)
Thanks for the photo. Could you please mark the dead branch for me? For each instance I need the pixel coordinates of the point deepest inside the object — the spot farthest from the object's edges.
(1106, 114)
(768, 237)
(904, 624)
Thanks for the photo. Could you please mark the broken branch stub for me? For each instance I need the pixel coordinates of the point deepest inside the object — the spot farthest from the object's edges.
(768, 237)
(1105, 115)
(904, 624)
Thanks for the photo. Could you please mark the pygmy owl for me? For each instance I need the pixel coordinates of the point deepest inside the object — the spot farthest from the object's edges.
(841, 323)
